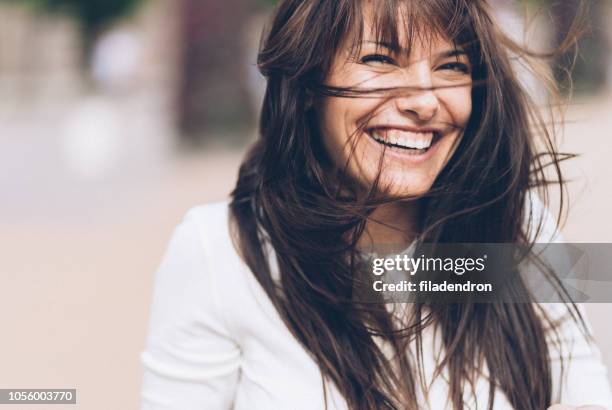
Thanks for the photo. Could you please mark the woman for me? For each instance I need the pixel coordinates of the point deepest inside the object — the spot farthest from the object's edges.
(387, 122)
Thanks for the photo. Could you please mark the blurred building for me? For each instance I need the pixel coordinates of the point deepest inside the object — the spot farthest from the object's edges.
(213, 90)
(104, 123)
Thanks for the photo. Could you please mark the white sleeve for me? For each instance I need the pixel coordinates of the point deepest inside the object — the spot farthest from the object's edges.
(190, 360)
(585, 377)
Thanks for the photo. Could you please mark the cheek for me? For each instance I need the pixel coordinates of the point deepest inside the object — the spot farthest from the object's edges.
(458, 104)
(339, 119)
(331, 129)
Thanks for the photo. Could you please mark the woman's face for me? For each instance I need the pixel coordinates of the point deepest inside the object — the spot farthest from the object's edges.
(418, 129)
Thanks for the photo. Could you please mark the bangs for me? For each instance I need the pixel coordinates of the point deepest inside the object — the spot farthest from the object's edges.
(398, 24)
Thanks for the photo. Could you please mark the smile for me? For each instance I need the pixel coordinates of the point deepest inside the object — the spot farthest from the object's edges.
(407, 142)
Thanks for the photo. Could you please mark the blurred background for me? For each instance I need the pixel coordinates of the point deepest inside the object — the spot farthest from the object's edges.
(117, 116)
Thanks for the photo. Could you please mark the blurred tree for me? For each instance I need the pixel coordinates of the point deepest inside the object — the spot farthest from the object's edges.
(268, 3)
(589, 72)
(93, 15)
(213, 94)
(586, 66)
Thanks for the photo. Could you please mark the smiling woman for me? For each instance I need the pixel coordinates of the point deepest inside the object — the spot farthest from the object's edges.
(417, 130)
(384, 122)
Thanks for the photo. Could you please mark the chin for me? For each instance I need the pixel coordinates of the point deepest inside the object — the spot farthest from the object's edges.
(407, 187)
(404, 192)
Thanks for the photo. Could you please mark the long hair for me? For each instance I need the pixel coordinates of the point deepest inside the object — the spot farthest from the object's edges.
(290, 197)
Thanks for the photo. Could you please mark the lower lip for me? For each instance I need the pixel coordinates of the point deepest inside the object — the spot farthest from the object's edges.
(410, 157)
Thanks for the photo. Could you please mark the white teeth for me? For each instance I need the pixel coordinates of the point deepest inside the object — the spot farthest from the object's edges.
(404, 141)
(407, 139)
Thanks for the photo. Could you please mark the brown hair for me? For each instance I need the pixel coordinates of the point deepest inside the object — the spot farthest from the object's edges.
(290, 197)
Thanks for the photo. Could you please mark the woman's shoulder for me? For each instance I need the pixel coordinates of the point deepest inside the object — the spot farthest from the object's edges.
(188, 266)
(229, 278)
(211, 223)
(210, 227)
(202, 278)
(211, 216)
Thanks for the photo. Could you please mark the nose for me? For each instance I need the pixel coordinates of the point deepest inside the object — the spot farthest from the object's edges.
(419, 99)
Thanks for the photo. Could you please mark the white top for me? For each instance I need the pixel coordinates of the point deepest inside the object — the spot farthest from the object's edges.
(215, 340)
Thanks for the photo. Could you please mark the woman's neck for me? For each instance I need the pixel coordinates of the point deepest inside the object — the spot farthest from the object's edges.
(394, 224)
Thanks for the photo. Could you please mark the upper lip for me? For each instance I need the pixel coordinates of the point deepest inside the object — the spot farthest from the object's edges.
(404, 128)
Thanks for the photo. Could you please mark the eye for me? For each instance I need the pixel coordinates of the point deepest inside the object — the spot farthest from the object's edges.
(456, 66)
(376, 59)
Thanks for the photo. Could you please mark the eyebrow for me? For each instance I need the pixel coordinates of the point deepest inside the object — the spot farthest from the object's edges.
(444, 54)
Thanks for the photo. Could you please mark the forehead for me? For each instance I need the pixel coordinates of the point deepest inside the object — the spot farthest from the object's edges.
(403, 26)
